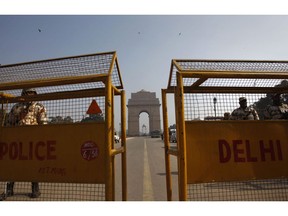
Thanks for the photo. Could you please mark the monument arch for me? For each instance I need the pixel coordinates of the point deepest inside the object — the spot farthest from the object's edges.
(143, 102)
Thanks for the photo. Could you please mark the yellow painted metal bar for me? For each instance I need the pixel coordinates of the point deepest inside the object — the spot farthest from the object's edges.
(173, 63)
(4, 95)
(229, 60)
(117, 151)
(198, 82)
(59, 95)
(112, 142)
(112, 64)
(2, 117)
(111, 132)
(177, 65)
(233, 74)
(171, 90)
(119, 74)
(123, 145)
(229, 89)
(256, 90)
(4, 98)
(173, 152)
(53, 82)
(116, 90)
(181, 138)
(109, 135)
(166, 146)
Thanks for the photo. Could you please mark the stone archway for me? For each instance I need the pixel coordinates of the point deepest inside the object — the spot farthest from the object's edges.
(143, 101)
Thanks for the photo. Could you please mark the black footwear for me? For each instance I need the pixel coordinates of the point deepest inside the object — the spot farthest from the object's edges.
(35, 194)
(35, 190)
(9, 189)
(9, 193)
(3, 196)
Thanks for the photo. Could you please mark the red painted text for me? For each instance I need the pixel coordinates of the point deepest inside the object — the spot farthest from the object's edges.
(41, 150)
(241, 151)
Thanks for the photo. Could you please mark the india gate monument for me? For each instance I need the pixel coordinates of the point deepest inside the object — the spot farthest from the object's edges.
(143, 101)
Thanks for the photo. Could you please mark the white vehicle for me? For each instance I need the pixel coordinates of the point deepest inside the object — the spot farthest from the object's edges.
(172, 136)
(116, 138)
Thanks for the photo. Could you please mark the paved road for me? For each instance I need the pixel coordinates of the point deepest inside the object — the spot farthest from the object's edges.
(146, 177)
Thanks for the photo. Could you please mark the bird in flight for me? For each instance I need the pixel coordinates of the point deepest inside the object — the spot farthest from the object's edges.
(39, 30)
(179, 33)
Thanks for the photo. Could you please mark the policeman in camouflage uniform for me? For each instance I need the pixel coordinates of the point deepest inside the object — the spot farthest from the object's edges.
(27, 113)
(244, 112)
(278, 110)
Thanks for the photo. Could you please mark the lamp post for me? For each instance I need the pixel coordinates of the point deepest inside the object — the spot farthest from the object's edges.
(215, 101)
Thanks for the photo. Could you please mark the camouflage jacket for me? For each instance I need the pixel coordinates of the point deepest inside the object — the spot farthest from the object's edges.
(249, 113)
(31, 113)
(276, 112)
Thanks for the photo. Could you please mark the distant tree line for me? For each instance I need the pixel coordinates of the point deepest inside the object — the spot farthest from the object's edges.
(60, 120)
(68, 119)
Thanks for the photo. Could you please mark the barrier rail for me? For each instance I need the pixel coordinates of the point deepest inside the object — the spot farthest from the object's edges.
(222, 159)
(72, 154)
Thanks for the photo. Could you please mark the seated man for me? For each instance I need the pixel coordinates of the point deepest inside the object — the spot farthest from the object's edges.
(244, 112)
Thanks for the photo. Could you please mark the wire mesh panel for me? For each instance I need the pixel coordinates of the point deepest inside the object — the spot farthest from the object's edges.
(67, 110)
(56, 192)
(225, 65)
(62, 67)
(213, 106)
(254, 190)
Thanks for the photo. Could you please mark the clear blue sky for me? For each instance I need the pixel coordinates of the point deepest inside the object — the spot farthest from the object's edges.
(145, 44)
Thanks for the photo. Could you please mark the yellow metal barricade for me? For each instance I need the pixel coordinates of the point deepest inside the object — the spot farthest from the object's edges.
(222, 159)
(72, 154)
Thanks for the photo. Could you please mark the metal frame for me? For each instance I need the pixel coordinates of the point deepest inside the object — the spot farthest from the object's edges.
(109, 92)
(179, 90)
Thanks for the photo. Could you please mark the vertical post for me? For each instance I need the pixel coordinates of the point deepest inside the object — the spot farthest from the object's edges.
(215, 101)
(166, 146)
(123, 144)
(181, 138)
(112, 142)
(109, 137)
(2, 114)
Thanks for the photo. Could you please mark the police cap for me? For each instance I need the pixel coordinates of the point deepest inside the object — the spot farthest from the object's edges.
(242, 99)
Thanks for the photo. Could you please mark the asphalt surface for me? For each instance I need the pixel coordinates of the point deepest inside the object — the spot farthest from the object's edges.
(146, 176)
